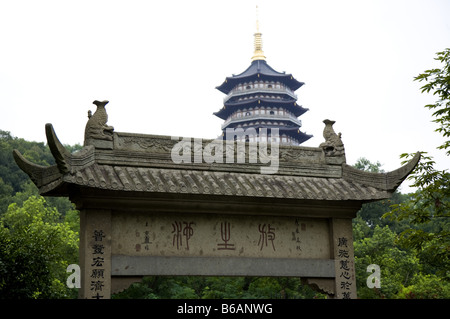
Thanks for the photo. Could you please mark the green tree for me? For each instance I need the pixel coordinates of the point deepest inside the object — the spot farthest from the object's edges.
(438, 82)
(364, 164)
(397, 266)
(429, 207)
(426, 287)
(189, 287)
(36, 246)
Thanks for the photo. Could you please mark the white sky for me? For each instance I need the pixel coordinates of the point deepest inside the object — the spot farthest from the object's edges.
(158, 63)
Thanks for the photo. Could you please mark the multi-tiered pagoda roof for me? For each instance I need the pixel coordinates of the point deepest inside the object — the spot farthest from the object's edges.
(261, 97)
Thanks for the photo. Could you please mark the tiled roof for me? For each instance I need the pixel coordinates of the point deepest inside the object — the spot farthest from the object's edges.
(156, 180)
(142, 163)
(257, 69)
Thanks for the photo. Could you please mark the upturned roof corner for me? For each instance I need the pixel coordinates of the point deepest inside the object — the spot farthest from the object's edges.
(140, 163)
(59, 152)
(39, 175)
(384, 181)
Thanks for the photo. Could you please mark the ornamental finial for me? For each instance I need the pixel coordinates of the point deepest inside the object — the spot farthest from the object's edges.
(258, 54)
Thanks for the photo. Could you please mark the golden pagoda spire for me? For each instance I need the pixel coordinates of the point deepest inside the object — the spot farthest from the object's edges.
(258, 54)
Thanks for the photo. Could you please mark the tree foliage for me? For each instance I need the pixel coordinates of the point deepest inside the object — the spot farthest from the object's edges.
(438, 82)
(365, 165)
(398, 266)
(185, 287)
(36, 246)
(428, 209)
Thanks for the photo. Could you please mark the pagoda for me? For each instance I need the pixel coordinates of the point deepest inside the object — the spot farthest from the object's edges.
(263, 99)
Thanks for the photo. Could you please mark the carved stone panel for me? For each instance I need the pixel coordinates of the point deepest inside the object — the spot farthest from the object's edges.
(140, 234)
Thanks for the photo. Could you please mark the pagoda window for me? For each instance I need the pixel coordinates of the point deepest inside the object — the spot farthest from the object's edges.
(248, 113)
(248, 87)
(272, 113)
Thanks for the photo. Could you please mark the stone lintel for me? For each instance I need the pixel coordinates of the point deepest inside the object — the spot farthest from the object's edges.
(221, 266)
(188, 203)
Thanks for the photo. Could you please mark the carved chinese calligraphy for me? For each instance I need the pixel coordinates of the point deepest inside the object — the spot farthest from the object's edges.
(344, 267)
(296, 234)
(344, 260)
(97, 273)
(225, 234)
(96, 243)
(182, 230)
(168, 234)
(267, 233)
(146, 242)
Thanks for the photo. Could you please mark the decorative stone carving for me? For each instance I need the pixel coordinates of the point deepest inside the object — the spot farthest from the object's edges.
(96, 128)
(322, 285)
(333, 145)
(60, 153)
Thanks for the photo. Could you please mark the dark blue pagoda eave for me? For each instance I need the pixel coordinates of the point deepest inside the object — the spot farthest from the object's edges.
(293, 132)
(231, 107)
(259, 70)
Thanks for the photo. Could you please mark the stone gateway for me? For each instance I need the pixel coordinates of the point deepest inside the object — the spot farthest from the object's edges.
(143, 214)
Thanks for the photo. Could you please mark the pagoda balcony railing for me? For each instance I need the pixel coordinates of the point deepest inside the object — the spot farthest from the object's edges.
(262, 117)
(266, 90)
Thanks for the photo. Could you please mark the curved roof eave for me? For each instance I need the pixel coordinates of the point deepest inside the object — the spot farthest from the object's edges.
(226, 111)
(259, 69)
(293, 131)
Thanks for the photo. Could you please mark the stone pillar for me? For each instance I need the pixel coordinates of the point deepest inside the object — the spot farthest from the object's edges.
(95, 254)
(343, 254)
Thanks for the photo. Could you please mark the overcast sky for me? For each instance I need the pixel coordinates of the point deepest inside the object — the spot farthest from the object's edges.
(158, 63)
